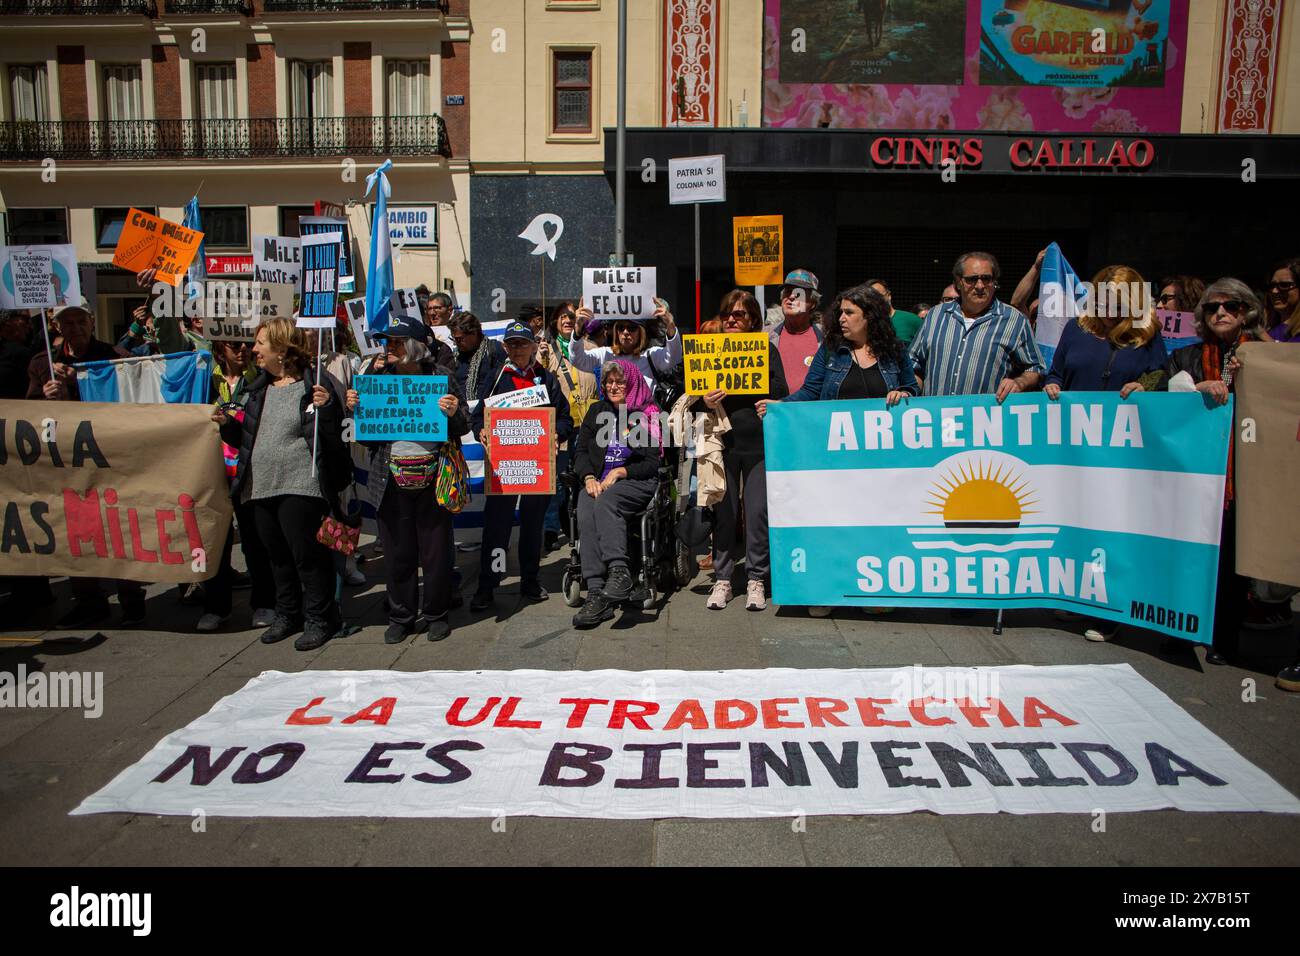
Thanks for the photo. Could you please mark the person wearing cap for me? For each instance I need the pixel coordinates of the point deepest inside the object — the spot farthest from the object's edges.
(521, 370)
(630, 339)
(291, 427)
(414, 529)
(795, 336)
(906, 324)
(77, 324)
(90, 603)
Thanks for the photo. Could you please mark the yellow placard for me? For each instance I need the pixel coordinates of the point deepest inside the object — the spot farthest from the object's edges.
(737, 363)
(147, 242)
(757, 242)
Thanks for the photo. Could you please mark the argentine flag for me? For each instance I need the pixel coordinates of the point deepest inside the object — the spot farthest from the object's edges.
(197, 273)
(1061, 298)
(379, 278)
(179, 378)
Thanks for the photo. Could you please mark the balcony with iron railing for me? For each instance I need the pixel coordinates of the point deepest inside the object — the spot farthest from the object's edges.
(225, 139)
(69, 8)
(352, 6)
(243, 8)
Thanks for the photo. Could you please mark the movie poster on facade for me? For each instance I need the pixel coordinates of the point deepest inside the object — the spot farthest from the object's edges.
(1100, 44)
(873, 41)
(1055, 92)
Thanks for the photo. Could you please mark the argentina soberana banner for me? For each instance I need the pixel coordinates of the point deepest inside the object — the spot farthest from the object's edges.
(1092, 504)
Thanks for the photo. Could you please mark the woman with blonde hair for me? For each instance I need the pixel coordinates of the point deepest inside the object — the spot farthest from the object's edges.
(292, 465)
(1115, 345)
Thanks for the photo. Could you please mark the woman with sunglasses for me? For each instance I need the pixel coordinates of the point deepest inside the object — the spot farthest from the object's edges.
(631, 340)
(580, 389)
(743, 461)
(1180, 293)
(1282, 304)
(1227, 315)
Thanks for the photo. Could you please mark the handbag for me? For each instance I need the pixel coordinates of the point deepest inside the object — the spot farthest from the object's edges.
(452, 492)
(339, 534)
(414, 472)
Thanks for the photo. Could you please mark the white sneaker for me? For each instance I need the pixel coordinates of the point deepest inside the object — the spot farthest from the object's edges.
(755, 596)
(1099, 633)
(263, 616)
(210, 622)
(819, 610)
(719, 596)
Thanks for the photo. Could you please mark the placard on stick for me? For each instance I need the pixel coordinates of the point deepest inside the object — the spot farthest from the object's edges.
(400, 408)
(320, 274)
(148, 242)
(234, 308)
(735, 362)
(521, 451)
(757, 244)
(619, 293)
(356, 309)
(277, 259)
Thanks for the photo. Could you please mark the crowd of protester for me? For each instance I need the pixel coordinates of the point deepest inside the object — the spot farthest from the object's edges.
(292, 473)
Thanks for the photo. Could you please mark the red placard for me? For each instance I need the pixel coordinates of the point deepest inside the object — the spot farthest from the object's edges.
(521, 451)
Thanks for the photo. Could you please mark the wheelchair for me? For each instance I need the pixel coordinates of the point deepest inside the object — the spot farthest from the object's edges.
(658, 561)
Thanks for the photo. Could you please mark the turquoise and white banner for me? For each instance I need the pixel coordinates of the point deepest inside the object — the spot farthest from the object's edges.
(1090, 504)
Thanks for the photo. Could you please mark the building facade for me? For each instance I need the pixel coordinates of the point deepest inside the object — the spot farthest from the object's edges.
(268, 110)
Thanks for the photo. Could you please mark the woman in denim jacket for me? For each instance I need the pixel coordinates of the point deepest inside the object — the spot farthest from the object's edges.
(861, 356)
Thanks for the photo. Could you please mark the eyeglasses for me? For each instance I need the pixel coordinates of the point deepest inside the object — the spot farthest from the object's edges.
(1232, 306)
(949, 298)
(1167, 297)
(631, 329)
(616, 386)
(976, 280)
(1281, 286)
(737, 314)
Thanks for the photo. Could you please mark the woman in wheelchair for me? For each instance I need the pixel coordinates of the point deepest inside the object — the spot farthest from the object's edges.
(616, 463)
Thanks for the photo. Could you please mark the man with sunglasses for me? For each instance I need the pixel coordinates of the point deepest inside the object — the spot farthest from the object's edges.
(977, 344)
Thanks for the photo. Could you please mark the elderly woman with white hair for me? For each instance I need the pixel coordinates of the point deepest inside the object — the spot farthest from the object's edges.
(1227, 315)
(415, 530)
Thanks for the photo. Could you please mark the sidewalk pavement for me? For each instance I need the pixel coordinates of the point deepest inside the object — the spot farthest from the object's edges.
(162, 675)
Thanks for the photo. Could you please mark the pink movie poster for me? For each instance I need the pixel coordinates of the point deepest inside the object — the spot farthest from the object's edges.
(1069, 66)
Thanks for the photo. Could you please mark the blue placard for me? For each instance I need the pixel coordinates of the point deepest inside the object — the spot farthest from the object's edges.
(1107, 507)
(400, 408)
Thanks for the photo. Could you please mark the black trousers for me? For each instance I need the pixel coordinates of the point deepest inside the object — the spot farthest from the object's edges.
(498, 518)
(302, 567)
(216, 591)
(1230, 596)
(416, 533)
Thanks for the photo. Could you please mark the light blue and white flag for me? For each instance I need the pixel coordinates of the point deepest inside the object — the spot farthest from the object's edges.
(182, 377)
(1061, 299)
(197, 274)
(379, 276)
(1106, 507)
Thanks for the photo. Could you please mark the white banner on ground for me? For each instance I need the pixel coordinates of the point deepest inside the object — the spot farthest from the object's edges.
(649, 744)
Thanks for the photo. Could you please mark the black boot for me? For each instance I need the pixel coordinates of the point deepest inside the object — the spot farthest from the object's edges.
(595, 609)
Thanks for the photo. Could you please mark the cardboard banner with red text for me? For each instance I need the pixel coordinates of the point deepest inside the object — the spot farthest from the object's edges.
(660, 743)
(112, 491)
(521, 451)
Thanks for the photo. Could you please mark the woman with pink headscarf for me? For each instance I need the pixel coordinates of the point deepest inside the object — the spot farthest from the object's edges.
(616, 460)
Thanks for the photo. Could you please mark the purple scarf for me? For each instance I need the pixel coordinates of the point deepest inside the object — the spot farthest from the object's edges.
(639, 397)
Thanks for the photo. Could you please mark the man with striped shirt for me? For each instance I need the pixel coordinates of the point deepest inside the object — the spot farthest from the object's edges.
(977, 344)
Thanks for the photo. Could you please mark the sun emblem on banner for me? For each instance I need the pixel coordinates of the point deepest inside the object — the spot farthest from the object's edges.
(981, 494)
(984, 501)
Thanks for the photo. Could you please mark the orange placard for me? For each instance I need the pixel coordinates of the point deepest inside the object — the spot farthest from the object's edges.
(521, 451)
(148, 242)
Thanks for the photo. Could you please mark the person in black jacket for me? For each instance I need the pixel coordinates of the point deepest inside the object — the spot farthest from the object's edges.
(290, 422)
(616, 461)
(415, 529)
(521, 371)
(742, 456)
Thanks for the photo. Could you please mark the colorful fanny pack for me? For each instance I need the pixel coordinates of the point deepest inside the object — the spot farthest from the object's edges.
(414, 472)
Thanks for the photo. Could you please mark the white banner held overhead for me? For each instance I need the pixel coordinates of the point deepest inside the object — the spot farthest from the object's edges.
(650, 744)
